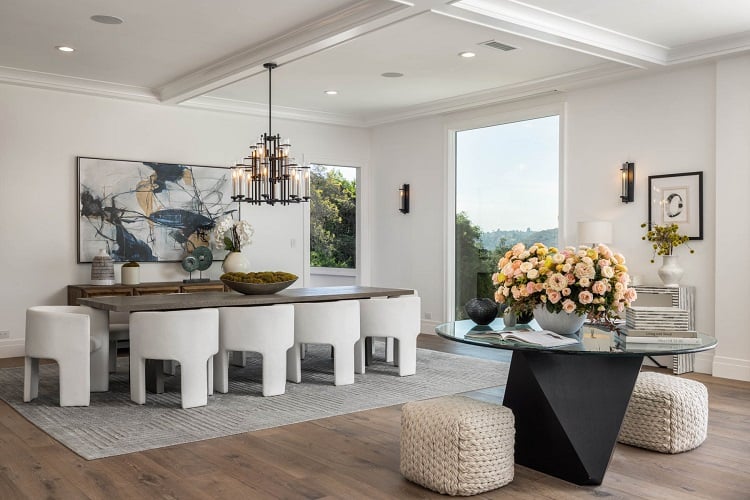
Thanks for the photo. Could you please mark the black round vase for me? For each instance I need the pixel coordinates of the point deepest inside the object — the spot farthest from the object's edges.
(481, 311)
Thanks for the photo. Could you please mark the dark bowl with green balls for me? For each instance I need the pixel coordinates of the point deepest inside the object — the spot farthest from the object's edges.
(263, 283)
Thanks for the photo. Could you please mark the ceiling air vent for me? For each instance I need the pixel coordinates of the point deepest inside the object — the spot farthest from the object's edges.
(497, 45)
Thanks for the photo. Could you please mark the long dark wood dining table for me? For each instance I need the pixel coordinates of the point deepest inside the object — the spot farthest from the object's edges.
(177, 301)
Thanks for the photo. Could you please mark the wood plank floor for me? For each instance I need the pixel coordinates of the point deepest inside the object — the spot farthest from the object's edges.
(357, 456)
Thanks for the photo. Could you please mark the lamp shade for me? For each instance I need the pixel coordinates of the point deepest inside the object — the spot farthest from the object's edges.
(595, 231)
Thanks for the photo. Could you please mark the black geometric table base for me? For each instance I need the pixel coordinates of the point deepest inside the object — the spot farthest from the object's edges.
(568, 410)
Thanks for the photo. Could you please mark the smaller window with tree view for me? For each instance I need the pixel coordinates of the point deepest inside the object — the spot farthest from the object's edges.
(333, 216)
(507, 191)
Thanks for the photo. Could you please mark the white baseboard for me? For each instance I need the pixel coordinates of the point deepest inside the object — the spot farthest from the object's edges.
(11, 348)
(734, 368)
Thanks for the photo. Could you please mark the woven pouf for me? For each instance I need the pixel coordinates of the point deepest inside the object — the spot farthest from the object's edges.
(457, 445)
(666, 414)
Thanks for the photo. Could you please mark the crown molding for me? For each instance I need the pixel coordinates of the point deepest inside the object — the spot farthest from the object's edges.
(551, 28)
(257, 109)
(326, 32)
(532, 88)
(711, 48)
(50, 81)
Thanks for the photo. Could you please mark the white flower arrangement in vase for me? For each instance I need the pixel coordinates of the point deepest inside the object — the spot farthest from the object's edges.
(232, 235)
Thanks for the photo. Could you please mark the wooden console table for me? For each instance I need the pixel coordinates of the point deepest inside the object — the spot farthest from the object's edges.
(76, 292)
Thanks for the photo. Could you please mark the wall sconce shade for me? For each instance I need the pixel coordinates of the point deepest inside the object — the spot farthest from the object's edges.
(594, 232)
(404, 193)
(627, 173)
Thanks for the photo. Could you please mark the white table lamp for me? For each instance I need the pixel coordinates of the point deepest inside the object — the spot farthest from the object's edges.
(595, 232)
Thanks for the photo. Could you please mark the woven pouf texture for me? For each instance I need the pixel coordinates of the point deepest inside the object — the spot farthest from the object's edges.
(457, 445)
(666, 414)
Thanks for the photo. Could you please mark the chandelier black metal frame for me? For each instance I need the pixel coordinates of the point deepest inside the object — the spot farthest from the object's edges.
(268, 174)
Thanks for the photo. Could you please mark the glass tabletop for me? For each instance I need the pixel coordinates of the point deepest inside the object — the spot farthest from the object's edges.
(592, 340)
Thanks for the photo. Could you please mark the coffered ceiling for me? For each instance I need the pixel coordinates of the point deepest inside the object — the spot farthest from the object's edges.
(210, 54)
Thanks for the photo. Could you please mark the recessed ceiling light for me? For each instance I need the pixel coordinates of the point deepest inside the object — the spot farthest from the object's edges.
(65, 48)
(467, 54)
(331, 92)
(106, 19)
(392, 74)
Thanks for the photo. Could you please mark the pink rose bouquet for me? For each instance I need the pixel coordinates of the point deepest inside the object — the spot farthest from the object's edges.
(584, 280)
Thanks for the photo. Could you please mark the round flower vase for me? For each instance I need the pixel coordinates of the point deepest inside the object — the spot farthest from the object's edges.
(558, 322)
(235, 262)
(670, 272)
(481, 311)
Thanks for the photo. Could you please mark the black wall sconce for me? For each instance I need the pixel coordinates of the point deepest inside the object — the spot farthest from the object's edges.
(404, 192)
(627, 172)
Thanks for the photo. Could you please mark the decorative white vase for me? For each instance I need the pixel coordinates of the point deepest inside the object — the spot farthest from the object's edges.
(559, 322)
(670, 272)
(235, 262)
(102, 269)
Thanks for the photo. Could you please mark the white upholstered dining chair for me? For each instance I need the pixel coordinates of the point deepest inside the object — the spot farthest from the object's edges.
(77, 338)
(268, 330)
(334, 323)
(190, 337)
(396, 318)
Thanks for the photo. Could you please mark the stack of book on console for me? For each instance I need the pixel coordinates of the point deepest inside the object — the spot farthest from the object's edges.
(657, 325)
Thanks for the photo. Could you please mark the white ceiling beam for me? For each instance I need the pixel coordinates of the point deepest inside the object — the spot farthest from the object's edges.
(548, 27)
(339, 27)
(49, 81)
(714, 47)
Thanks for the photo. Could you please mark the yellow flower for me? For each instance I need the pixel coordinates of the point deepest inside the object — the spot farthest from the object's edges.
(621, 267)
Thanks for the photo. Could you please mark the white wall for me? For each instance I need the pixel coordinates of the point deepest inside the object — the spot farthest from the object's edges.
(42, 132)
(408, 249)
(665, 122)
(732, 215)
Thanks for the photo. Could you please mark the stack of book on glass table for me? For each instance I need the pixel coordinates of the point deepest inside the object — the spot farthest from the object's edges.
(657, 325)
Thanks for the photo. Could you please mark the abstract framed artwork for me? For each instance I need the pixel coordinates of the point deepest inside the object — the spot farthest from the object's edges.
(148, 211)
(677, 199)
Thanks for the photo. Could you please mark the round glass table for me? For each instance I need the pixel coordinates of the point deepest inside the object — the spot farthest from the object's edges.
(569, 401)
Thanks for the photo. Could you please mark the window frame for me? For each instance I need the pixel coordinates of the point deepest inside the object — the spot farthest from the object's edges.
(450, 174)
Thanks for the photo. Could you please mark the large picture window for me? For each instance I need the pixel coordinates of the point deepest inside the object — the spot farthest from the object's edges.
(333, 217)
(507, 191)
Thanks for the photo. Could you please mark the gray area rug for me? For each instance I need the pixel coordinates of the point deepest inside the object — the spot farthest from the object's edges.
(114, 425)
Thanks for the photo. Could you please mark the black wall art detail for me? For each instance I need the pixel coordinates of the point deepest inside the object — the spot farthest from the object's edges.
(677, 199)
(148, 211)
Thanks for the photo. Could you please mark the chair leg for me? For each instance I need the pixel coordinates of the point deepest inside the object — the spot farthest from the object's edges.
(389, 348)
(75, 383)
(221, 371)
(194, 383)
(30, 378)
(274, 372)
(238, 358)
(407, 356)
(99, 370)
(210, 375)
(343, 364)
(396, 354)
(169, 367)
(112, 356)
(293, 364)
(137, 378)
(359, 356)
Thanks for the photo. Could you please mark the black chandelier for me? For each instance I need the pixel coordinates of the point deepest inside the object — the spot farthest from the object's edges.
(268, 174)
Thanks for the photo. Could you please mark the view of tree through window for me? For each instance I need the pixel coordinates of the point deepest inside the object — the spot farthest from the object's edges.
(333, 216)
(507, 185)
